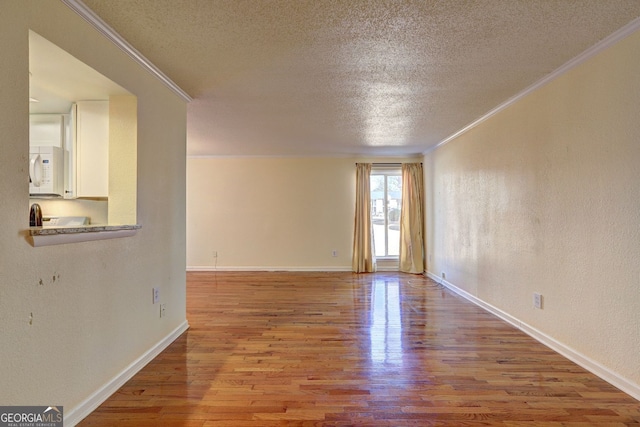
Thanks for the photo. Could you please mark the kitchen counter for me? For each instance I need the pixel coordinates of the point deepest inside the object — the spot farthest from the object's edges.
(46, 236)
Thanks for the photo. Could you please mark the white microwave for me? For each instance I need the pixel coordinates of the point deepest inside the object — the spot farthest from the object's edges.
(46, 171)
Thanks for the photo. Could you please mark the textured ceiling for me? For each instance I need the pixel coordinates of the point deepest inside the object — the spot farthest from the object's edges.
(322, 77)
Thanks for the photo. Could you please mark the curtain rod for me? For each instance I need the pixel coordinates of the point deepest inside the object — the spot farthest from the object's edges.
(389, 164)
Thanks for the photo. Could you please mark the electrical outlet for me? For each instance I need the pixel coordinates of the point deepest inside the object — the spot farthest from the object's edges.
(215, 254)
(162, 309)
(156, 295)
(334, 253)
(537, 300)
(444, 275)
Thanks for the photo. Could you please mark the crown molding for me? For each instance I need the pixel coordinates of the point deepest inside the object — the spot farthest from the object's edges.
(603, 44)
(95, 21)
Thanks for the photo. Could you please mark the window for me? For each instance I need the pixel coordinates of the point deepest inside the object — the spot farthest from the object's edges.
(386, 202)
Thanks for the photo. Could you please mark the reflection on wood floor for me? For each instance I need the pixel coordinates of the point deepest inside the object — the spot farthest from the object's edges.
(340, 349)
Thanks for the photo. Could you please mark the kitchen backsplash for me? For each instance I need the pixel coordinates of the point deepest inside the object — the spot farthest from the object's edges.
(96, 210)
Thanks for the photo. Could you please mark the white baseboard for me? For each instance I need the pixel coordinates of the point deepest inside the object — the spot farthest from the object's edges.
(267, 268)
(386, 268)
(320, 269)
(627, 386)
(77, 414)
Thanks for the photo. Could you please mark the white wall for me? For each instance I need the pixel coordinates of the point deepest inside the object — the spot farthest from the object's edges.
(545, 197)
(271, 213)
(75, 316)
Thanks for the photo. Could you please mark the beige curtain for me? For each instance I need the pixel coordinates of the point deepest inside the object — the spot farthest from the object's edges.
(412, 219)
(364, 260)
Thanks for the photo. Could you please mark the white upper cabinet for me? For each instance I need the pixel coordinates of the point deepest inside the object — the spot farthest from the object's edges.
(46, 130)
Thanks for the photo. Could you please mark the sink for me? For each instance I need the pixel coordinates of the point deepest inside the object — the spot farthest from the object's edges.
(65, 221)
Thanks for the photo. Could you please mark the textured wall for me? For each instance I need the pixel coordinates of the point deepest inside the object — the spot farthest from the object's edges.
(74, 316)
(271, 212)
(545, 197)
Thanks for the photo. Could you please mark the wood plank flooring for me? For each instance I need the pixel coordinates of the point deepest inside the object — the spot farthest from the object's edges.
(340, 349)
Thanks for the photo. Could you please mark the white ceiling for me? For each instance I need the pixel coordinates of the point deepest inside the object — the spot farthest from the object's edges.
(334, 77)
(57, 79)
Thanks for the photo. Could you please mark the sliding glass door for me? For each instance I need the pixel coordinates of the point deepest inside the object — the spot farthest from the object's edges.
(386, 203)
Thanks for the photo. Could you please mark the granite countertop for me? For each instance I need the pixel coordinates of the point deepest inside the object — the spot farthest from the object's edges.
(47, 236)
(49, 231)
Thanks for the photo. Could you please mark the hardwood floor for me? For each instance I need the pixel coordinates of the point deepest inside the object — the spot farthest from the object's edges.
(340, 349)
